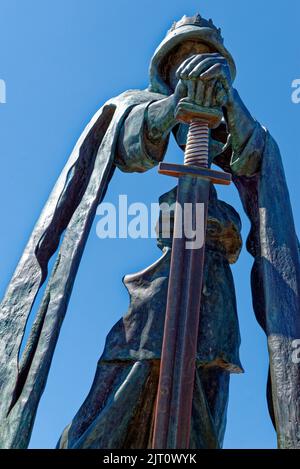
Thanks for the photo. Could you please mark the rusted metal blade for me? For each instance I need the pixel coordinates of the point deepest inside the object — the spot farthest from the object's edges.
(177, 370)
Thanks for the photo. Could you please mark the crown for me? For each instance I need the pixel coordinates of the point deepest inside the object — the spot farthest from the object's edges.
(195, 20)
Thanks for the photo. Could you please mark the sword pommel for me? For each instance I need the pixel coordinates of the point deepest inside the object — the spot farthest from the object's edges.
(188, 112)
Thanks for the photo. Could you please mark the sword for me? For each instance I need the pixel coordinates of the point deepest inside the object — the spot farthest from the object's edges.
(173, 409)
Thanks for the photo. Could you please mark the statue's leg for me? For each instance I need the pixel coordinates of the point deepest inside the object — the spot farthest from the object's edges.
(216, 384)
(210, 403)
(117, 413)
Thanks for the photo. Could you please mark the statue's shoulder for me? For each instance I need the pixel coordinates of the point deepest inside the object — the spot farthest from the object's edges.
(121, 103)
(134, 97)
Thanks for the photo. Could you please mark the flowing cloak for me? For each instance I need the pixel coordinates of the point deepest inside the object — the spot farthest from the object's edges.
(69, 214)
(275, 278)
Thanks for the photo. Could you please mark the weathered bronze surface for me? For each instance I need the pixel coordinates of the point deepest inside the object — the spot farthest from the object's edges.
(131, 132)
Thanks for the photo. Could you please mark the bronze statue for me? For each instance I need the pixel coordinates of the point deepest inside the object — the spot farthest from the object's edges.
(131, 132)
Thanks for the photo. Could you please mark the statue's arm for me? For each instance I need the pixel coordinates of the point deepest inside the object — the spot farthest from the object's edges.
(212, 75)
(247, 137)
(144, 136)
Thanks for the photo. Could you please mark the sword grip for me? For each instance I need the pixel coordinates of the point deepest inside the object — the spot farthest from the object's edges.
(200, 120)
(196, 150)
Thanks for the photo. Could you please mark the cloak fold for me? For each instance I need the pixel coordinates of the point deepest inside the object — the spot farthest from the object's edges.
(68, 214)
(275, 278)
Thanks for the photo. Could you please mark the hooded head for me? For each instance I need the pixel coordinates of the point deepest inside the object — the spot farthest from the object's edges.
(190, 34)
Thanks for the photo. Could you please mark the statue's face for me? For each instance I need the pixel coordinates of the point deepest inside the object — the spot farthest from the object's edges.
(181, 53)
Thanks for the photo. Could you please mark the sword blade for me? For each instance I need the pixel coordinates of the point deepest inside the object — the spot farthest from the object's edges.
(177, 371)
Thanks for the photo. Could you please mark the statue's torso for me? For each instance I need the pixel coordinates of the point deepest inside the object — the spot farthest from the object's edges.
(138, 335)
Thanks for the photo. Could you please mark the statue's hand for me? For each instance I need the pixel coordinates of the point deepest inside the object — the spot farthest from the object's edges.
(209, 84)
(180, 92)
(207, 78)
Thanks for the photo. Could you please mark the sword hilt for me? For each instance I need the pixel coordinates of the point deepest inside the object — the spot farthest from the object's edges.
(196, 157)
(200, 120)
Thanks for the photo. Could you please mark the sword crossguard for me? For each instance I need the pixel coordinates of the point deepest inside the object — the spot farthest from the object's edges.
(177, 170)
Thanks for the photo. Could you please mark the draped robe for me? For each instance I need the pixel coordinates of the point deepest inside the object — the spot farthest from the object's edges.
(258, 174)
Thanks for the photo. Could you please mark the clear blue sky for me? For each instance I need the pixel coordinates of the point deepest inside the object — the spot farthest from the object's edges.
(61, 60)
